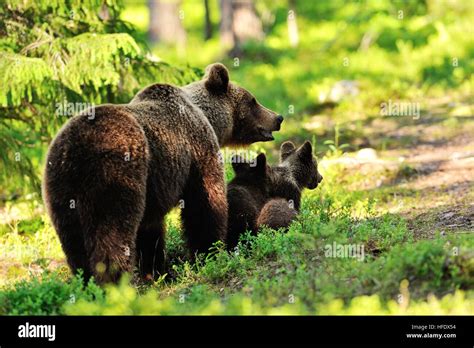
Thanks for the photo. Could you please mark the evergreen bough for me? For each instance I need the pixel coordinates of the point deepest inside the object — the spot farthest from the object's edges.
(58, 52)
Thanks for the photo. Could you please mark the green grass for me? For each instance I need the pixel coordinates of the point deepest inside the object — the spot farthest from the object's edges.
(46, 296)
(284, 273)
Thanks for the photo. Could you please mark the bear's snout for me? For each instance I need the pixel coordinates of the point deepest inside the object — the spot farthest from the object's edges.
(279, 121)
(315, 181)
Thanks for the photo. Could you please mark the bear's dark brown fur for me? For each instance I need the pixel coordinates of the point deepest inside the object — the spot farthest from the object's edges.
(246, 195)
(276, 213)
(263, 195)
(111, 178)
(298, 169)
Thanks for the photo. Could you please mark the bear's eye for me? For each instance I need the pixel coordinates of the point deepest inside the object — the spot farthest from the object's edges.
(254, 101)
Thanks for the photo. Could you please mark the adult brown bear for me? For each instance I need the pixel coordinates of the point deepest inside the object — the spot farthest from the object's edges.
(111, 178)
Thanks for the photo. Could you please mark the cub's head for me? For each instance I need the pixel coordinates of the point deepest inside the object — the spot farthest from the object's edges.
(299, 164)
(251, 173)
(247, 120)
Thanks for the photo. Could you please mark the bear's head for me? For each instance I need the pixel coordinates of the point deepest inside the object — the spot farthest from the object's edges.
(298, 169)
(251, 173)
(299, 164)
(236, 116)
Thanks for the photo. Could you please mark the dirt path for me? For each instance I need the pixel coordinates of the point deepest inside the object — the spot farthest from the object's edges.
(427, 175)
(444, 177)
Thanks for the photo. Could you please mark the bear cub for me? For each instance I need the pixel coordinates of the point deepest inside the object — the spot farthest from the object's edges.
(263, 195)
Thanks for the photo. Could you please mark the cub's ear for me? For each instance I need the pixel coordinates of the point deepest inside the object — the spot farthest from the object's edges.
(305, 151)
(239, 164)
(286, 149)
(260, 164)
(217, 78)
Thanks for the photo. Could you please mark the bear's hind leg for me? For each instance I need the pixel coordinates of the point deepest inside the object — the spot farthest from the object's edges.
(111, 217)
(112, 254)
(66, 222)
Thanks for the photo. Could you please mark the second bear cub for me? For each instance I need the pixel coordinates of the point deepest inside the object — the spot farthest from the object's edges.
(263, 195)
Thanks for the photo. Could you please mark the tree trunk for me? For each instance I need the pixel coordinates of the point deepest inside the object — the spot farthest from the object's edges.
(165, 22)
(239, 23)
(226, 25)
(208, 23)
(104, 13)
(247, 24)
(292, 24)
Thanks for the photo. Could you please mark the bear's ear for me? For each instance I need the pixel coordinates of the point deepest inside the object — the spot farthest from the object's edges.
(286, 149)
(217, 78)
(260, 165)
(305, 151)
(239, 164)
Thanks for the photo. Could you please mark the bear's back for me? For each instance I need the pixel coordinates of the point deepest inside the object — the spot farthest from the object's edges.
(166, 106)
(157, 91)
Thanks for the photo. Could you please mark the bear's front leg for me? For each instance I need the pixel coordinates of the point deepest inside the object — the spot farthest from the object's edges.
(204, 214)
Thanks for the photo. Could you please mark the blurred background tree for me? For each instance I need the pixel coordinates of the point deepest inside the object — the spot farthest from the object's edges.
(239, 24)
(165, 22)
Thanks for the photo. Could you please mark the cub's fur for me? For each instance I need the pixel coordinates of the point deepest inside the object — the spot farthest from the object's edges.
(263, 195)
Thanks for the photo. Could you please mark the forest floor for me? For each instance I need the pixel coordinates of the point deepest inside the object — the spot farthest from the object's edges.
(433, 186)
